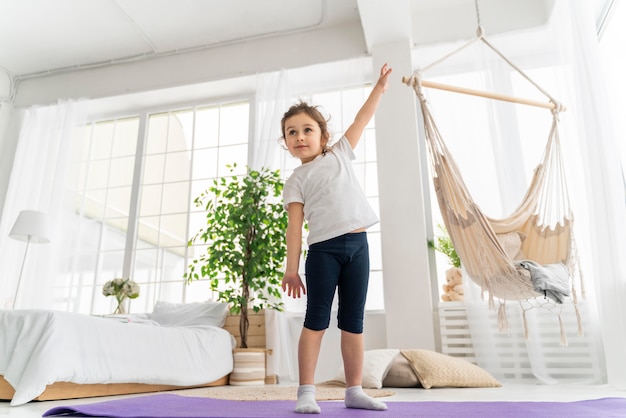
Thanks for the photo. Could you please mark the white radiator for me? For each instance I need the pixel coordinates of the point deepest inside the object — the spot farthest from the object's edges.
(581, 361)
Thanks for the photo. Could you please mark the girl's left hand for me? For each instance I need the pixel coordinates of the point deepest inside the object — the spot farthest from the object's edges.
(293, 286)
(383, 79)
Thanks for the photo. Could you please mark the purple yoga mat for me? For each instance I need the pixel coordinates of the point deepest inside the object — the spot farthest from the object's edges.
(176, 406)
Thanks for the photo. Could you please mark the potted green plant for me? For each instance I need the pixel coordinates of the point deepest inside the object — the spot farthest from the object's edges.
(445, 246)
(453, 288)
(245, 239)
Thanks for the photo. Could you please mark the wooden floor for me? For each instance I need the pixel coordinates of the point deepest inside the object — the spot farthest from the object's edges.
(507, 392)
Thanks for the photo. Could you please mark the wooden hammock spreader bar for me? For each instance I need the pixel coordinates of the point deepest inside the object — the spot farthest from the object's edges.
(489, 95)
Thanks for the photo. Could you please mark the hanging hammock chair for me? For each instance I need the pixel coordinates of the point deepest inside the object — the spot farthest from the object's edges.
(527, 256)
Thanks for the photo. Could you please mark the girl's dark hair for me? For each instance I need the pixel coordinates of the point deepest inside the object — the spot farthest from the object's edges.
(314, 113)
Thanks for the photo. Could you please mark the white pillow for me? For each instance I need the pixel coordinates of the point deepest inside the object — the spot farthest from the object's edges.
(376, 364)
(190, 314)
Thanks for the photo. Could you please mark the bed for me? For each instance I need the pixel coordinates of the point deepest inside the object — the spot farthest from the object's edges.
(48, 354)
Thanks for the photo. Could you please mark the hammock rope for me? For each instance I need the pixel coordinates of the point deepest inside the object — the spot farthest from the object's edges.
(542, 221)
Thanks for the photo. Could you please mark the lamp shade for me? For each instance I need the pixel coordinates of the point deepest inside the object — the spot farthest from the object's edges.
(31, 226)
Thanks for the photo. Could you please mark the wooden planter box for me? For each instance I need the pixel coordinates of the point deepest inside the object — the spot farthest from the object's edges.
(256, 331)
(256, 336)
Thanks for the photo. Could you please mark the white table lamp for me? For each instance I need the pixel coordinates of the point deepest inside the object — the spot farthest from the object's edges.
(30, 226)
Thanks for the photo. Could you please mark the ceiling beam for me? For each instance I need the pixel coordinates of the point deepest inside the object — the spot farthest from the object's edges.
(385, 21)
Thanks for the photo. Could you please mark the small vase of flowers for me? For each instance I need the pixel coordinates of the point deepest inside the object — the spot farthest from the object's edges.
(122, 289)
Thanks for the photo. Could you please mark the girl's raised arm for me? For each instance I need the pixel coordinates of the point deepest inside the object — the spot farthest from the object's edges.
(365, 114)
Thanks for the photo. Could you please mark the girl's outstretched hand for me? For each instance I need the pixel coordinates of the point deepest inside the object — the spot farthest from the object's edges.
(292, 284)
(383, 79)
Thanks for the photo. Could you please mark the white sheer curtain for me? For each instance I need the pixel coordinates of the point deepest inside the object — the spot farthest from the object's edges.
(37, 182)
(602, 182)
(273, 97)
(562, 57)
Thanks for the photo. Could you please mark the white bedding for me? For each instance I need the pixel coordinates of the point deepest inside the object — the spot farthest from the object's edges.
(40, 347)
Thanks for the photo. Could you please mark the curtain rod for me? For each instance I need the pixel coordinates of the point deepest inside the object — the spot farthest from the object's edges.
(489, 95)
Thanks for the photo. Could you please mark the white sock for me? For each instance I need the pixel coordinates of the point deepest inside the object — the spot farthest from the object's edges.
(356, 398)
(306, 400)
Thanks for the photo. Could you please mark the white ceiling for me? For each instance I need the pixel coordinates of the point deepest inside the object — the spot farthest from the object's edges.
(38, 37)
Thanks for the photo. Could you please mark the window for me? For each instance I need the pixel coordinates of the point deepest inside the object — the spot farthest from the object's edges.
(136, 179)
(135, 205)
(102, 176)
(185, 150)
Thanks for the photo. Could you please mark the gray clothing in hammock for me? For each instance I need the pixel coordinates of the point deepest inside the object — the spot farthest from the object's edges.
(551, 279)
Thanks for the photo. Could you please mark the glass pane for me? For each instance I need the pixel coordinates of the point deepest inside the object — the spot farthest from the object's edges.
(234, 124)
(91, 204)
(118, 202)
(330, 105)
(368, 143)
(197, 221)
(235, 154)
(154, 166)
(175, 198)
(205, 163)
(173, 233)
(148, 231)
(80, 147)
(375, 205)
(359, 151)
(375, 245)
(375, 292)
(180, 131)
(172, 291)
(359, 172)
(145, 262)
(371, 179)
(198, 291)
(114, 236)
(102, 141)
(89, 237)
(125, 141)
(351, 102)
(122, 171)
(197, 188)
(150, 200)
(76, 176)
(207, 127)
(111, 262)
(177, 166)
(80, 298)
(157, 133)
(98, 174)
(195, 251)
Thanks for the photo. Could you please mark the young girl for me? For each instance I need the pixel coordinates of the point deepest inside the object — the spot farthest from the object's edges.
(325, 192)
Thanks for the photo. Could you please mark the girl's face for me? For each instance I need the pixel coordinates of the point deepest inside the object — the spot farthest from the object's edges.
(303, 137)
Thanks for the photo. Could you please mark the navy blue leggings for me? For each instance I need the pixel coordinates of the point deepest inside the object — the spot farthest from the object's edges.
(339, 263)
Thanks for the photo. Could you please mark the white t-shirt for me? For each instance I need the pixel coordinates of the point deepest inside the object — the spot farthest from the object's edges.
(334, 203)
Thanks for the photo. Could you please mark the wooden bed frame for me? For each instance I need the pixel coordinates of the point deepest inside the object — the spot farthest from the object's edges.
(68, 390)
